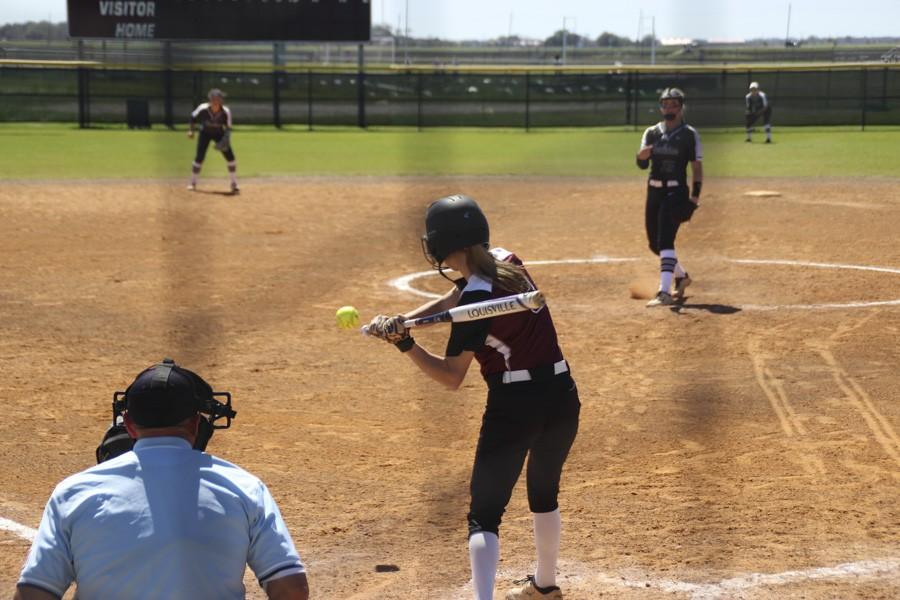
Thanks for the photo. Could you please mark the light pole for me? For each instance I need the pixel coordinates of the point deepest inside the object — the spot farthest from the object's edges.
(406, 36)
(641, 20)
(565, 35)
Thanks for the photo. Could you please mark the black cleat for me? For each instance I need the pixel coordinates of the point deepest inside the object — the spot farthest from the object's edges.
(681, 284)
(661, 299)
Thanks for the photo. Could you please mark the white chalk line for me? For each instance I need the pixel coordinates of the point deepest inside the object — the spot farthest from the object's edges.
(23, 531)
(698, 591)
(578, 575)
(405, 282)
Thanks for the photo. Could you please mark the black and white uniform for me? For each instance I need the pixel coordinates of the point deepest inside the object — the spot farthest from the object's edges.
(668, 197)
(532, 405)
(757, 106)
(213, 126)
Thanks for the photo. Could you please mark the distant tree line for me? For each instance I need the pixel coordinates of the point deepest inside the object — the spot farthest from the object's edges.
(34, 30)
(44, 30)
(575, 40)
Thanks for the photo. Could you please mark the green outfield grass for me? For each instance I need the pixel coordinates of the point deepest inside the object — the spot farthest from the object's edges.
(65, 152)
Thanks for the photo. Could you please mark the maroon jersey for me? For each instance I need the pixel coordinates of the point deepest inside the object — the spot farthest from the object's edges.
(524, 340)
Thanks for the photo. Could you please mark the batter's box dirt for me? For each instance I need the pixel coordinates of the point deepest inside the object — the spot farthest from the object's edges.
(712, 447)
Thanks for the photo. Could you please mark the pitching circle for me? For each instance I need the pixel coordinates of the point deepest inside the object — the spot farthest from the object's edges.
(405, 282)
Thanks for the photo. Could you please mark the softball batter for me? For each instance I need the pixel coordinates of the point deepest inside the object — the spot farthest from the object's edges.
(215, 126)
(669, 146)
(532, 404)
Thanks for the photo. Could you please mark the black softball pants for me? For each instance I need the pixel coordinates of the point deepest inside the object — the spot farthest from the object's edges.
(765, 113)
(203, 142)
(537, 420)
(666, 209)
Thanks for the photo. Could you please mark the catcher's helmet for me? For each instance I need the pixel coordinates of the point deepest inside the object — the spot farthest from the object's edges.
(672, 93)
(452, 223)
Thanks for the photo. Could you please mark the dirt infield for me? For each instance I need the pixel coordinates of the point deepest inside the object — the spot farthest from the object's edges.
(744, 446)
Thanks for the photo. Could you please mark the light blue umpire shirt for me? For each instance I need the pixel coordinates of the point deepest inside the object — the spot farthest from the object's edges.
(163, 521)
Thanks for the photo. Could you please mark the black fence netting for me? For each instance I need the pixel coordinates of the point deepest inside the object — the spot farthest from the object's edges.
(857, 96)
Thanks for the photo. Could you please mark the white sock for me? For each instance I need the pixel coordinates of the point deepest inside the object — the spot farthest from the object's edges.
(679, 270)
(749, 131)
(484, 554)
(547, 527)
(195, 170)
(667, 262)
(768, 132)
(232, 172)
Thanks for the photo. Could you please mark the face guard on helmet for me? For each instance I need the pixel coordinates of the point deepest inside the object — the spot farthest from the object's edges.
(452, 223)
(173, 394)
(671, 103)
(672, 93)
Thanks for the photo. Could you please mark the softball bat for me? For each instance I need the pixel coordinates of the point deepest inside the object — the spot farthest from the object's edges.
(486, 309)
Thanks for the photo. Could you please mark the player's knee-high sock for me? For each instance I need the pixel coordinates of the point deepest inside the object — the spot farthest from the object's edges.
(679, 270)
(484, 554)
(667, 262)
(195, 170)
(768, 132)
(232, 171)
(547, 528)
(749, 133)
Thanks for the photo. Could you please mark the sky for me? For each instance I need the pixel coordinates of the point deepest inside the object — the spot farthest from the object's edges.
(703, 19)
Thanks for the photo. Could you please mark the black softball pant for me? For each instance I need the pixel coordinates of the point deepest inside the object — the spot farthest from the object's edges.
(667, 208)
(203, 144)
(539, 420)
(765, 113)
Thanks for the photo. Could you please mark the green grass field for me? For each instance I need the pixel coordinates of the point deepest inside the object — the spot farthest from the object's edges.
(41, 151)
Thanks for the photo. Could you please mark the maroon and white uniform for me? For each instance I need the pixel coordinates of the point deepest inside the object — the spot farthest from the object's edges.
(524, 340)
(532, 406)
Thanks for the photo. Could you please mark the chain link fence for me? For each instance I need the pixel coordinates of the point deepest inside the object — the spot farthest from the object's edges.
(859, 96)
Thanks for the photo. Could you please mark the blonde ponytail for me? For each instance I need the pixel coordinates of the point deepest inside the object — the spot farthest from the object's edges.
(505, 275)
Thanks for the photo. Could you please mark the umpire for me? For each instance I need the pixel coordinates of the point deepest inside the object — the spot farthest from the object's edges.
(163, 520)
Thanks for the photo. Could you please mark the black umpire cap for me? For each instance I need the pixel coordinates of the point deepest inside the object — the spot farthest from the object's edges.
(165, 395)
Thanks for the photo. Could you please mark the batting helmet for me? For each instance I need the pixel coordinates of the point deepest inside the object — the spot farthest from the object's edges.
(672, 93)
(453, 223)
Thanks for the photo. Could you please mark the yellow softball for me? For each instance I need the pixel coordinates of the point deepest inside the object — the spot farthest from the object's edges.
(347, 317)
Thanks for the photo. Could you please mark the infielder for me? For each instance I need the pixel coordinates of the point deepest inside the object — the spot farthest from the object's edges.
(532, 404)
(215, 126)
(758, 106)
(667, 148)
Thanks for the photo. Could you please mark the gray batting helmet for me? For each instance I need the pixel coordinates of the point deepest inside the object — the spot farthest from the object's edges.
(672, 93)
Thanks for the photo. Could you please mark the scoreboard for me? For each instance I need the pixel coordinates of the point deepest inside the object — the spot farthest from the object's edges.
(237, 20)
